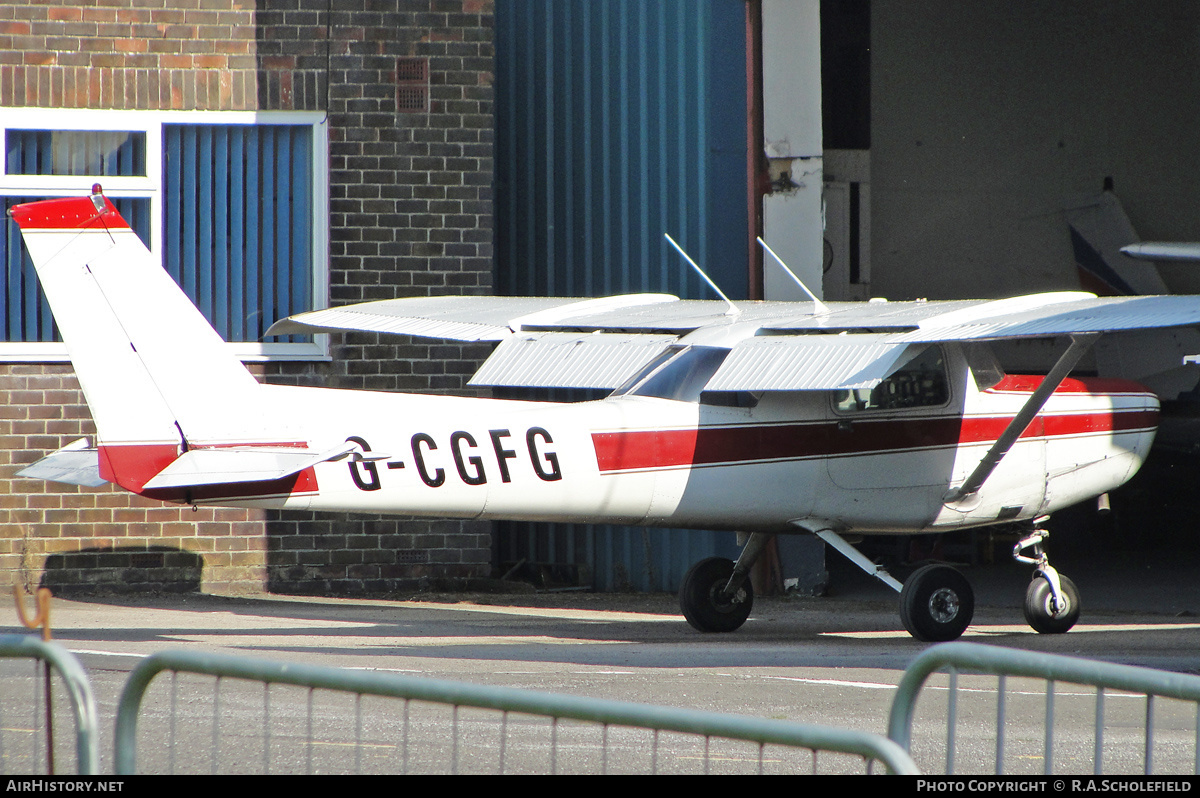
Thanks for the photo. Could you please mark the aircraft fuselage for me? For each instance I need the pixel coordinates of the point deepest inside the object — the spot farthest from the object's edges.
(634, 459)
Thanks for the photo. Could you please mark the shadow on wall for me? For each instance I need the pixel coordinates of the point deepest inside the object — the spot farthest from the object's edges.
(157, 569)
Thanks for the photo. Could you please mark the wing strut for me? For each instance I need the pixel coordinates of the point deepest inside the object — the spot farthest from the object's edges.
(1033, 405)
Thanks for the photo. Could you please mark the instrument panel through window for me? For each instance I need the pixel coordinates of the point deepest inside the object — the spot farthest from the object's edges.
(921, 382)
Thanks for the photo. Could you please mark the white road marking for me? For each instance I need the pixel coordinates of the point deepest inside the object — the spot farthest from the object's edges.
(1008, 629)
(1058, 693)
(544, 612)
(364, 644)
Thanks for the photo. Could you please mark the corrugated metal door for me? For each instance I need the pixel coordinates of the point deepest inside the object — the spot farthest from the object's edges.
(618, 121)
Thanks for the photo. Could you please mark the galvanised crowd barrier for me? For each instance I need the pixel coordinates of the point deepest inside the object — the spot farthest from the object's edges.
(1150, 708)
(524, 731)
(39, 734)
(240, 720)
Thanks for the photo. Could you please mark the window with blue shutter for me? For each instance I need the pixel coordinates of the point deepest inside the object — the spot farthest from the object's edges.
(237, 222)
(231, 209)
(24, 313)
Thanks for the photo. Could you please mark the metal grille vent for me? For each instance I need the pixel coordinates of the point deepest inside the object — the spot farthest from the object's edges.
(412, 85)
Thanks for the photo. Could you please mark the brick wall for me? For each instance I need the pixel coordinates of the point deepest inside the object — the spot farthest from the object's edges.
(410, 203)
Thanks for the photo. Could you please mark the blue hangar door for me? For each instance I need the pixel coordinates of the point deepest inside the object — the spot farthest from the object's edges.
(618, 121)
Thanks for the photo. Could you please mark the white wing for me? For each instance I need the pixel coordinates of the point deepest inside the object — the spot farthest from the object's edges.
(600, 343)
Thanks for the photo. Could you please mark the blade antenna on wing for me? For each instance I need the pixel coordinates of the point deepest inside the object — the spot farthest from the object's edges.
(821, 307)
(733, 310)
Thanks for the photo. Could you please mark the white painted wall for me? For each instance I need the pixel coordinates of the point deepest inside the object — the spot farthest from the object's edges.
(792, 131)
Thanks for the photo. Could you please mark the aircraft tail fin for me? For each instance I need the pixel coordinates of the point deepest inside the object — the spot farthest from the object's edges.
(157, 377)
(1099, 230)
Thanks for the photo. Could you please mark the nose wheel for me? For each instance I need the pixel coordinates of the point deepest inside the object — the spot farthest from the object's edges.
(1051, 600)
(1050, 614)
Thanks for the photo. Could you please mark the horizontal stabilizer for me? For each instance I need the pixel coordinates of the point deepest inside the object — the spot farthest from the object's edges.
(1164, 250)
(77, 463)
(233, 464)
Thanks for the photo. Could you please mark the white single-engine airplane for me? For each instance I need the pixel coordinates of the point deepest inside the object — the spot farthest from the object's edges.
(762, 417)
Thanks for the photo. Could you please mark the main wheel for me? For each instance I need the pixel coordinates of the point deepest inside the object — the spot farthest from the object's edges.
(702, 602)
(1038, 613)
(936, 603)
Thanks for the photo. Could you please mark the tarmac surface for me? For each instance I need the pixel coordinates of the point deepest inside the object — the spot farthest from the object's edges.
(1139, 607)
(833, 660)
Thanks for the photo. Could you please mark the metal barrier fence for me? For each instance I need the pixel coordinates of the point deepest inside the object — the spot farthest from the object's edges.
(243, 715)
(34, 734)
(1162, 708)
(491, 729)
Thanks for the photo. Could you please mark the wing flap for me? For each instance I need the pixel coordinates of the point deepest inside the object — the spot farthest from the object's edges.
(810, 363)
(569, 360)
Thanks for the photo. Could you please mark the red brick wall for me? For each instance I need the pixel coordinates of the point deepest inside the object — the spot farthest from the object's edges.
(177, 55)
(410, 197)
(71, 538)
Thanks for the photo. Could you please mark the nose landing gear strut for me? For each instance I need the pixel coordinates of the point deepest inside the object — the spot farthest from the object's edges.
(1051, 600)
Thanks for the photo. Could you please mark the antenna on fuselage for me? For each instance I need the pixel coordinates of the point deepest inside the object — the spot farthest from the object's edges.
(733, 310)
(821, 307)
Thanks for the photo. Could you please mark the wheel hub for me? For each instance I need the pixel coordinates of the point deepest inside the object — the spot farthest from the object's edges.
(725, 601)
(943, 605)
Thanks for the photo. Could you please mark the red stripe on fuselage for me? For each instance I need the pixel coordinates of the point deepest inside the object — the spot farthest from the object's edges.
(657, 449)
(1028, 383)
(636, 450)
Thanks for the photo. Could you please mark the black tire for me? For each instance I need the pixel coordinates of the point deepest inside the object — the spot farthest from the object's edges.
(1037, 606)
(936, 604)
(701, 601)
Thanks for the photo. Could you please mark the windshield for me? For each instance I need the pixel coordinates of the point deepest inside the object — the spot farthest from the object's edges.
(680, 373)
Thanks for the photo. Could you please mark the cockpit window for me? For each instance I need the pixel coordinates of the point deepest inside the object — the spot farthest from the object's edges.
(680, 373)
(919, 383)
(984, 366)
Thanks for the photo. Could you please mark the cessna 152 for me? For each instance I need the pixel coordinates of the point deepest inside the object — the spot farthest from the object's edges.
(761, 417)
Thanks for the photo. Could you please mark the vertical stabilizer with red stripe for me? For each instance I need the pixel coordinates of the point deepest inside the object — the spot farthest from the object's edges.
(156, 375)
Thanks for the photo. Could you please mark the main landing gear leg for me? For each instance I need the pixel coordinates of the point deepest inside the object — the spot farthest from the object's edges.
(716, 595)
(936, 602)
(1052, 600)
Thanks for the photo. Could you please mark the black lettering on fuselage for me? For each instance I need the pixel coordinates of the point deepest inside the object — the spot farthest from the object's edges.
(456, 441)
(439, 475)
(468, 461)
(371, 481)
(551, 459)
(502, 455)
